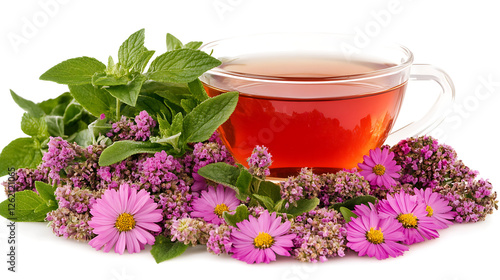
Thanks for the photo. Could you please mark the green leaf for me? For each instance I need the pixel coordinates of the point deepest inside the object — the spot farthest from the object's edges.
(221, 173)
(99, 127)
(128, 93)
(188, 104)
(20, 153)
(173, 43)
(239, 215)
(72, 113)
(27, 105)
(164, 249)
(49, 105)
(203, 120)
(29, 207)
(45, 191)
(36, 127)
(181, 66)
(243, 184)
(55, 125)
(103, 79)
(95, 100)
(194, 45)
(75, 71)
(84, 138)
(303, 206)
(152, 106)
(121, 150)
(142, 61)
(348, 214)
(271, 190)
(131, 49)
(198, 91)
(349, 204)
(265, 201)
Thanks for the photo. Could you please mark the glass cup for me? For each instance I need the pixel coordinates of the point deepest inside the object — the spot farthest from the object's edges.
(317, 100)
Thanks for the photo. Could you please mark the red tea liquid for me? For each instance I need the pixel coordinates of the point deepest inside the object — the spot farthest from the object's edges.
(324, 126)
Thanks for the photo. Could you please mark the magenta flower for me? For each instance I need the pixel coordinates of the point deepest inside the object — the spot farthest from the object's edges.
(259, 240)
(437, 208)
(370, 235)
(380, 168)
(213, 203)
(124, 219)
(411, 214)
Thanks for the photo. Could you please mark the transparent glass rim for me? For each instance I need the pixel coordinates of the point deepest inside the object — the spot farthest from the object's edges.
(406, 63)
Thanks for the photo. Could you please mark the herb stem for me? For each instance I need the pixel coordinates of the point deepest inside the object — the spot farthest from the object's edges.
(118, 104)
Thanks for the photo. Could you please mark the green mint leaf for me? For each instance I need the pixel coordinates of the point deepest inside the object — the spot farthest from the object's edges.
(351, 203)
(198, 91)
(176, 126)
(271, 190)
(74, 71)
(152, 106)
(172, 140)
(142, 61)
(29, 207)
(130, 50)
(243, 184)
(45, 191)
(164, 249)
(180, 66)
(99, 127)
(189, 104)
(303, 206)
(128, 93)
(27, 105)
(95, 100)
(265, 201)
(20, 153)
(55, 125)
(84, 138)
(121, 150)
(72, 113)
(173, 43)
(50, 106)
(36, 127)
(221, 173)
(103, 79)
(194, 45)
(348, 214)
(239, 215)
(203, 120)
(279, 206)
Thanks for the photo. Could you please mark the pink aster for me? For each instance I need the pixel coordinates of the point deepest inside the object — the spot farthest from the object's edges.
(124, 219)
(213, 203)
(380, 168)
(411, 214)
(370, 235)
(437, 208)
(258, 240)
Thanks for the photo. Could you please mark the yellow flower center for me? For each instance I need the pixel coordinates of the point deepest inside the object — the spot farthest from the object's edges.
(429, 210)
(125, 222)
(263, 240)
(375, 236)
(220, 208)
(408, 220)
(379, 169)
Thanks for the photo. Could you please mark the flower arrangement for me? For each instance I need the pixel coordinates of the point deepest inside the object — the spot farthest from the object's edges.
(131, 159)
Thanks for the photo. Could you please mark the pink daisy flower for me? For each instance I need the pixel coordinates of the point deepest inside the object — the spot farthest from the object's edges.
(259, 240)
(380, 168)
(124, 219)
(213, 203)
(411, 214)
(437, 208)
(370, 235)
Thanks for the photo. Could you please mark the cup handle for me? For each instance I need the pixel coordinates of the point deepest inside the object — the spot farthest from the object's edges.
(437, 113)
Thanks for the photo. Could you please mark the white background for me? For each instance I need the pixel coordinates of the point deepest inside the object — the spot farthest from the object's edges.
(460, 37)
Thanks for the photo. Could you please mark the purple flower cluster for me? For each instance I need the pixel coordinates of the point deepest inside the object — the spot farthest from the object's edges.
(138, 130)
(305, 185)
(259, 162)
(209, 152)
(426, 163)
(471, 200)
(190, 231)
(25, 180)
(71, 219)
(219, 241)
(59, 155)
(320, 235)
(342, 186)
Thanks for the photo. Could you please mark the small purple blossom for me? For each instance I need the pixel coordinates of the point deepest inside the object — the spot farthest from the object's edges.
(138, 130)
(259, 162)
